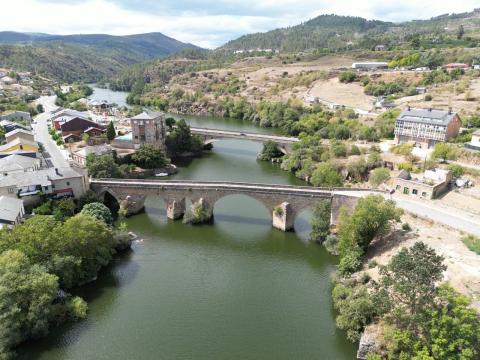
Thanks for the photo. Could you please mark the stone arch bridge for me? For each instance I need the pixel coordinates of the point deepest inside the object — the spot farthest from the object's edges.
(285, 202)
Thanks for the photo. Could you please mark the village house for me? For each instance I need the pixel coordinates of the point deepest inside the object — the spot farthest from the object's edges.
(16, 115)
(380, 48)
(99, 106)
(426, 127)
(149, 128)
(80, 157)
(53, 182)
(61, 116)
(77, 126)
(11, 211)
(19, 163)
(8, 126)
(475, 142)
(19, 134)
(19, 145)
(428, 186)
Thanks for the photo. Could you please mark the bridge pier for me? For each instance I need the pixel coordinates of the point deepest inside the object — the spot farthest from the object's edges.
(176, 209)
(283, 217)
(132, 204)
(200, 212)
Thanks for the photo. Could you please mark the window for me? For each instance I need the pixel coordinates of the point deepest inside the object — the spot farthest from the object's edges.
(414, 191)
(406, 190)
(398, 187)
(424, 194)
(68, 183)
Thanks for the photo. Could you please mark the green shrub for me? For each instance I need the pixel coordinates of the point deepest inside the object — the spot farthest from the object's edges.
(472, 243)
(331, 244)
(457, 170)
(406, 227)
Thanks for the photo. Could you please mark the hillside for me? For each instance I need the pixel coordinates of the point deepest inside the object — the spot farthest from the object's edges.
(340, 33)
(82, 57)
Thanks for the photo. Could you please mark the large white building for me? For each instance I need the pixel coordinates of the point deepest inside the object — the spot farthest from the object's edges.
(426, 127)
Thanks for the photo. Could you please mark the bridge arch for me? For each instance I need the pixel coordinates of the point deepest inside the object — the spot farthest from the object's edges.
(110, 199)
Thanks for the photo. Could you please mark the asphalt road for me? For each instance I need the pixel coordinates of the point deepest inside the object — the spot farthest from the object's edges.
(56, 157)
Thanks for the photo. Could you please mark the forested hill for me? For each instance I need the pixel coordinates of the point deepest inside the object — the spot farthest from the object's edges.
(342, 33)
(82, 57)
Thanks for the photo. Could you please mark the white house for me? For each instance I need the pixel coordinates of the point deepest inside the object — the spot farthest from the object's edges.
(11, 211)
(475, 142)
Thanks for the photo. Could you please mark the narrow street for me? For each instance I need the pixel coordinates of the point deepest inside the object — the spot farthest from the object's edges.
(53, 155)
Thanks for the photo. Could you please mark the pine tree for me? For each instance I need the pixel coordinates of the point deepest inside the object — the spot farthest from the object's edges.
(111, 131)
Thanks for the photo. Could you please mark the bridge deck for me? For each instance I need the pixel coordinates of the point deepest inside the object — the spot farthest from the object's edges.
(242, 135)
(237, 186)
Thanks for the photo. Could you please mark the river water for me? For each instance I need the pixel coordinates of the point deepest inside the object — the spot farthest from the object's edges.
(237, 289)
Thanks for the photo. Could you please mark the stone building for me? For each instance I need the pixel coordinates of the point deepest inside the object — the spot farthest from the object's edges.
(426, 127)
(149, 128)
(428, 186)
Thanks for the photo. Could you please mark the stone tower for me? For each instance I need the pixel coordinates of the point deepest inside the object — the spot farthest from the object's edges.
(149, 128)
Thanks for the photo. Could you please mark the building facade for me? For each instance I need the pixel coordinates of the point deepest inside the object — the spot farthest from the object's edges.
(11, 211)
(149, 128)
(475, 142)
(428, 186)
(426, 127)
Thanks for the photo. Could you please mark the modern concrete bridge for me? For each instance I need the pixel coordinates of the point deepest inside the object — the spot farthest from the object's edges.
(210, 135)
(284, 202)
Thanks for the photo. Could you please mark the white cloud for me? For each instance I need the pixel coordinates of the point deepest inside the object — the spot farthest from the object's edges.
(208, 26)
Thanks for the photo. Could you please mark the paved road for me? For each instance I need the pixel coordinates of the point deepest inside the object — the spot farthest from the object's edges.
(40, 128)
(453, 218)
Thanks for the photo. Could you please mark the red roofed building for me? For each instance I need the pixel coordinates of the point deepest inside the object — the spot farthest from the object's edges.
(453, 66)
(77, 126)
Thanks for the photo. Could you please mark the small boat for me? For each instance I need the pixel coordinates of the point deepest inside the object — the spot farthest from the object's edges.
(161, 174)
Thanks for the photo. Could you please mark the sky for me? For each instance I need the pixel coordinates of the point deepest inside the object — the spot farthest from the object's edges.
(206, 23)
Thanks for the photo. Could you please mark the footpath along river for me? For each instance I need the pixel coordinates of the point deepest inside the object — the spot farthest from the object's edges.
(237, 289)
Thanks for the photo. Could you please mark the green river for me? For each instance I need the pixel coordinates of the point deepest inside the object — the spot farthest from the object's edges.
(237, 289)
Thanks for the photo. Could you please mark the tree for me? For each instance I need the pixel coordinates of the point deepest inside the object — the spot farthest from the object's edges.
(460, 32)
(445, 152)
(407, 285)
(270, 151)
(454, 329)
(98, 211)
(379, 176)
(321, 221)
(26, 295)
(89, 239)
(180, 140)
(103, 166)
(355, 308)
(111, 131)
(357, 169)
(372, 217)
(149, 157)
(63, 209)
(170, 122)
(87, 198)
(326, 175)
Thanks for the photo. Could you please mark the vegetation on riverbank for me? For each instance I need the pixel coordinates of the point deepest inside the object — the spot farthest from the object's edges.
(417, 316)
(43, 258)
